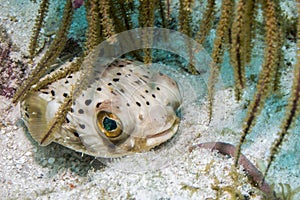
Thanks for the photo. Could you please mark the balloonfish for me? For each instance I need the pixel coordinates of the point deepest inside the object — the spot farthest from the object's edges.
(128, 108)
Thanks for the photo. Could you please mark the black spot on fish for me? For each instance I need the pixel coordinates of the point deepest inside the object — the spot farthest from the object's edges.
(145, 76)
(128, 104)
(45, 92)
(65, 94)
(98, 104)
(121, 90)
(76, 134)
(153, 95)
(109, 84)
(88, 102)
(80, 111)
(130, 70)
(72, 110)
(70, 76)
(116, 79)
(52, 92)
(67, 120)
(113, 92)
(138, 104)
(66, 82)
(146, 91)
(157, 88)
(119, 74)
(143, 80)
(142, 96)
(139, 82)
(82, 126)
(147, 102)
(26, 114)
(99, 89)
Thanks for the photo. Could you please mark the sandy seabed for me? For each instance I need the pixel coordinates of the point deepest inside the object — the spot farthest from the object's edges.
(171, 171)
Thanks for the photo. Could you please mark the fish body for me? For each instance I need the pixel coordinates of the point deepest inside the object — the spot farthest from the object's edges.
(127, 108)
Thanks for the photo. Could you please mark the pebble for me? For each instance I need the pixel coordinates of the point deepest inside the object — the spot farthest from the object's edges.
(44, 163)
(18, 166)
(51, 161)
(28, 153)
(22, 160)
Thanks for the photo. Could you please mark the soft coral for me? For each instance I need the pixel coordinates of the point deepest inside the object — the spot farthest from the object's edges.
(12, 71)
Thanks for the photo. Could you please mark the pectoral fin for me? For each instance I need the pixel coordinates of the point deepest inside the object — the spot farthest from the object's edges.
(35, 108)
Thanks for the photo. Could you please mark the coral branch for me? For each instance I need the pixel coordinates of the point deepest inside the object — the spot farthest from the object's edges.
(207, 21)
(52, 53)
(293, 108)
(266, 75)
(241, 43)
(37, 26)
(222, 35)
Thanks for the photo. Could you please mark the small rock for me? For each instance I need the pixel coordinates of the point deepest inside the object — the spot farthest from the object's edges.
(44, 163)
(51, 161)
(18, 166)
(28, 153)
(22, 160)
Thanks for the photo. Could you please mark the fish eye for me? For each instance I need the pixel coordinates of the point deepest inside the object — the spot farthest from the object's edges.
(109, 124)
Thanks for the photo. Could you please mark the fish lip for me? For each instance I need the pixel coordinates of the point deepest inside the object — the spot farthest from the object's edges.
(167, 131)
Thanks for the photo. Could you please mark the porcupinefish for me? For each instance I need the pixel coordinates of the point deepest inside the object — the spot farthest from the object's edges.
(128, 108)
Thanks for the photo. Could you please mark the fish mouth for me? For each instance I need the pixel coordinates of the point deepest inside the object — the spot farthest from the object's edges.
(157, 139)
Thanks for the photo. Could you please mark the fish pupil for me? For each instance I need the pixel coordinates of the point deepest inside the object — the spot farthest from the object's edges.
(109, 124)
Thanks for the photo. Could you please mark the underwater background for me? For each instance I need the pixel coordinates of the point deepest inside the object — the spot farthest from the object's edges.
(171, 171)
